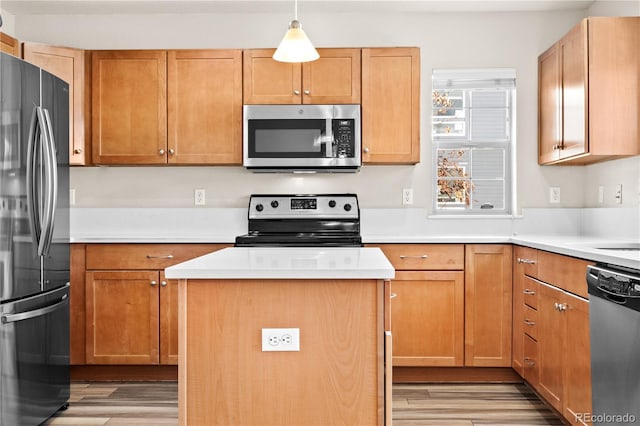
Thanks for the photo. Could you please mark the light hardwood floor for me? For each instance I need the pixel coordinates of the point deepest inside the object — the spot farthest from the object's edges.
(156, 404)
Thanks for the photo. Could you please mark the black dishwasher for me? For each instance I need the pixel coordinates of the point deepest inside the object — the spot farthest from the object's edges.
(614, 320)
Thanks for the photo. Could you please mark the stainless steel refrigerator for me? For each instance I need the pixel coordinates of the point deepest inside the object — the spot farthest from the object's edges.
(34, 243)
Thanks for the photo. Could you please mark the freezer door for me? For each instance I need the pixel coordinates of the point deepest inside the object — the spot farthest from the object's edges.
(19, 262)
(34, 357)
(55, 103)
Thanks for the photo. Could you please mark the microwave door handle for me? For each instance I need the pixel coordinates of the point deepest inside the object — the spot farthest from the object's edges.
(330, 143)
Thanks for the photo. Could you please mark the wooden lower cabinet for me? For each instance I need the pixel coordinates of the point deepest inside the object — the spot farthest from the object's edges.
(487, 305)
(428, 318)
(124, 310)
(564, 352)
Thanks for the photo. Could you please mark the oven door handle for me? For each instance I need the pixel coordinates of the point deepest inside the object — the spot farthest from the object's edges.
(64, 301)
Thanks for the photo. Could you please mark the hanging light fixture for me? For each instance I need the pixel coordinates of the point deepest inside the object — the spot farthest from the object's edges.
(295, 46)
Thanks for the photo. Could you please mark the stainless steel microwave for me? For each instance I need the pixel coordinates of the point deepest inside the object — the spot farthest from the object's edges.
(304, 138)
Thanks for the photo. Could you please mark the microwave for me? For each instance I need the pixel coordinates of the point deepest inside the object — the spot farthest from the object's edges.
(301, 138)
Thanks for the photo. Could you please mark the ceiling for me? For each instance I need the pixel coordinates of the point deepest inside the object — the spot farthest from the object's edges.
(65, 7)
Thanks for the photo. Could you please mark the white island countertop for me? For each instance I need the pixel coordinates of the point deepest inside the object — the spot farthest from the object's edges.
(286, 263)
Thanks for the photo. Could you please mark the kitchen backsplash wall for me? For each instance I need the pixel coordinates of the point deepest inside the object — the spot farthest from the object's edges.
(446, 40)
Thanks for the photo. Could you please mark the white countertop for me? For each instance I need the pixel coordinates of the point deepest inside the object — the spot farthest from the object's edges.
(286, 263)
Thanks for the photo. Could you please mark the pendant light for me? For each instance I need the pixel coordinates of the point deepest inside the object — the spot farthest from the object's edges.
(295, 46)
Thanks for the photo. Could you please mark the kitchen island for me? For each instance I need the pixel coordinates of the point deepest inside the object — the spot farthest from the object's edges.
(338, 301)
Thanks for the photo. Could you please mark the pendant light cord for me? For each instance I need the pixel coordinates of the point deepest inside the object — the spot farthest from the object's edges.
(295, 10)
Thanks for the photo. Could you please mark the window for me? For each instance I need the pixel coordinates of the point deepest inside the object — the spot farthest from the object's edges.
(473, 135)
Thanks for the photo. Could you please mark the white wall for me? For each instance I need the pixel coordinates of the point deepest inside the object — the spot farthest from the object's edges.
(8, 22)
(446, 41)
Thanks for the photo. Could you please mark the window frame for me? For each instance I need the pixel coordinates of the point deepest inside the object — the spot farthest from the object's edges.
(453, 142)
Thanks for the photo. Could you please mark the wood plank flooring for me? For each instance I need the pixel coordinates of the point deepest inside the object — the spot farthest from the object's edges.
(156, 404)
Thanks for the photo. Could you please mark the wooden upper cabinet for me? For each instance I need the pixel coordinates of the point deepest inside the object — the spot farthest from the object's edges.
(488, 305)
(74, 67)
(332, 79)
(391, 105)
(205, 106)
(589, 93)
(9, 45)
(129, 107)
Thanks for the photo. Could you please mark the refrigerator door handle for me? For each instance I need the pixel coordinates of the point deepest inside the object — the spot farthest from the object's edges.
(51, 185)
(63, 302)
(33, 202)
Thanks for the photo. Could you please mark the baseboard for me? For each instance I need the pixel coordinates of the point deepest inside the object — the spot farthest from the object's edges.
(123, 372)
(455, 375)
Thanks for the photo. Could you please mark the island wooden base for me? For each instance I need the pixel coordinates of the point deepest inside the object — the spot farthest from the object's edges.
(337, 377)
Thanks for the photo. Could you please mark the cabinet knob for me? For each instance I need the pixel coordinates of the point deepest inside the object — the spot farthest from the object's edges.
(307, 92)
(393, 296)
(161, 152)
(171, 152)
(153, 283)
(365, 150)
(296, 92)
(77, 151)
(163, 283)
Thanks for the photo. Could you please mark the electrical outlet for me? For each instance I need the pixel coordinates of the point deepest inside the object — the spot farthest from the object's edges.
(280, 340)
(199, 197)
(619, 194)
(407, 196)
(554, 194)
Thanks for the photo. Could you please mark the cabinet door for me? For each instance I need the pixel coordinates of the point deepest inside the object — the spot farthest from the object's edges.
(267, 81)
(574, 91)
(551, 345)
(122, 317)
(517, 339)
(428, 318)
(205, 106)
(549, 105)
(577, 362)
(488, 305)
(391, 105)
(332, 79)
(9, 45)
(73, 66)
(168, 320)
(129, 107)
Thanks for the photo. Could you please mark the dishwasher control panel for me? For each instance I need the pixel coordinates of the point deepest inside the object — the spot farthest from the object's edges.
(613, 281)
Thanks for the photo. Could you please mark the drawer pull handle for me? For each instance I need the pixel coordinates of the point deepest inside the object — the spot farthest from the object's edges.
(529, 322)
(393, 296)
(526, 261)
(424, 256)
(560, 306)
(529, 292)
(529, 361)
(169, 256)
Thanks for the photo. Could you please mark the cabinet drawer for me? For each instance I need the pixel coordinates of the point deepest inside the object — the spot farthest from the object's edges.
(565, 272)
(529, 258)
(143, 256)
(531, 291)
(407, 257)
(530, 322)
(531, 361)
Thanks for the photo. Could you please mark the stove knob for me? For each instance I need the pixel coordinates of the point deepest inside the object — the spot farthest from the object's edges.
(347, 207)
(259, 207)
(332, 203)
(274, 204)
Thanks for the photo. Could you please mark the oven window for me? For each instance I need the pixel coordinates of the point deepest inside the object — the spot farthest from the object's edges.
(287, 138)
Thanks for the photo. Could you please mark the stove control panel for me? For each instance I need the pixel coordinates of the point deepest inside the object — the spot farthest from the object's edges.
(267, 206)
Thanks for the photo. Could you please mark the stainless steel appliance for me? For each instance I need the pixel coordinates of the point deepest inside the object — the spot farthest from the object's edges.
(328, 220)
(34, 243)
(614, 319)
(302, 138)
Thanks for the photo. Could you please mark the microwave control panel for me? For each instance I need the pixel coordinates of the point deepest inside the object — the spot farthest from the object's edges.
(344, 137)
